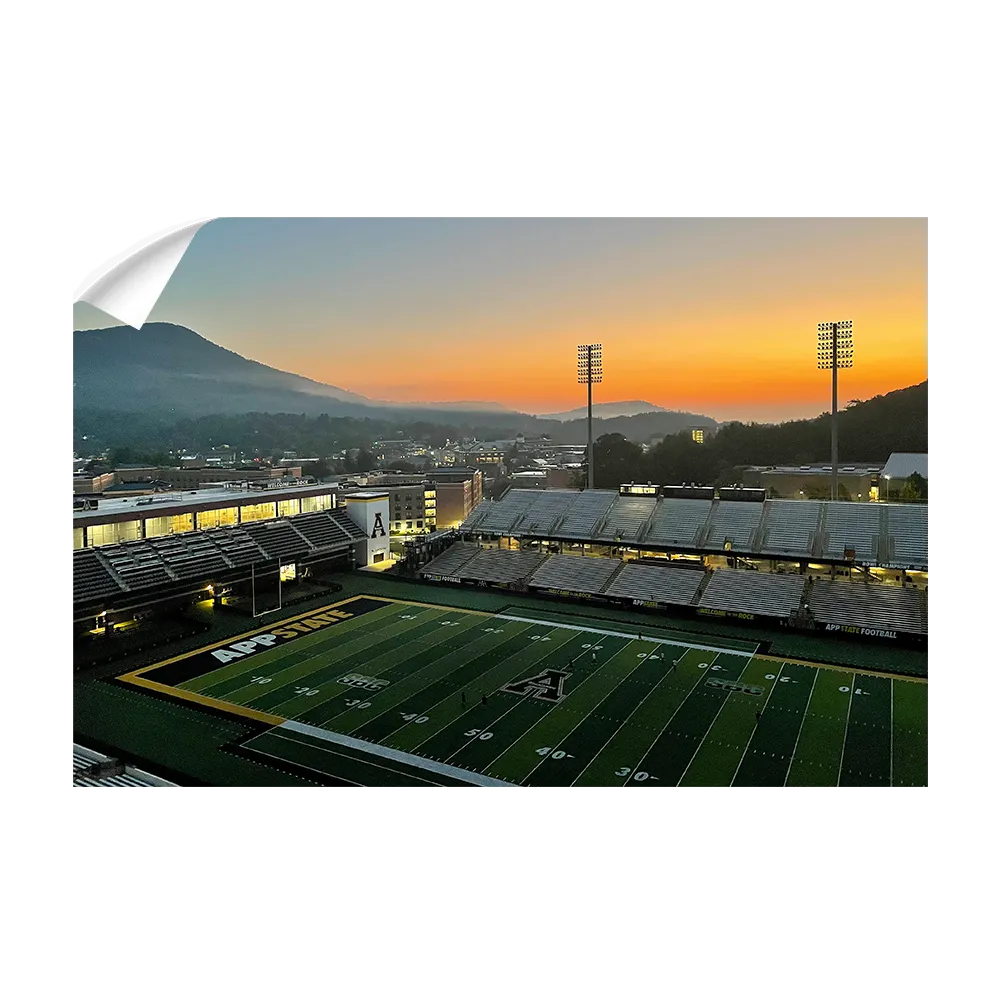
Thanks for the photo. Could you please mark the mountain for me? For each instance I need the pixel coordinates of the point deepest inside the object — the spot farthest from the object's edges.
(166, 368)
(630, 408)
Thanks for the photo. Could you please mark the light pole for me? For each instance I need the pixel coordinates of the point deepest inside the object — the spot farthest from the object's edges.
(589, 370)
(835, 350)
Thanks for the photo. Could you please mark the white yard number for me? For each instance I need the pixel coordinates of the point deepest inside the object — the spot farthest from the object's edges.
(622, 771)
(703, 666)
(407, 616)
(643, 775)
(845, 689)
(413, 717)
(260, 680)
(541, 638)
(308, 692)
(358, 703)
(479, 733)
(556, 754)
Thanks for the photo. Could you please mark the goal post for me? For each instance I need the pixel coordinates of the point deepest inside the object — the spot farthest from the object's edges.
(265, 588)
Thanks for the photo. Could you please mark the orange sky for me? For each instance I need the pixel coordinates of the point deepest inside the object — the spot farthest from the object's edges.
(716, 316)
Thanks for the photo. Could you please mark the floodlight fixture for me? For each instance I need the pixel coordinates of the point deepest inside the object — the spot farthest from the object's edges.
(834, 351)
(589, 369)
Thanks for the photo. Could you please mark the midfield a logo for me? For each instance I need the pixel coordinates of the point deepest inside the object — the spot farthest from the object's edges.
(378, 530)
(546, 686)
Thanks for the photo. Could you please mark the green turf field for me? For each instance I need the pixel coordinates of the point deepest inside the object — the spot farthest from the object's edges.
(374, 691)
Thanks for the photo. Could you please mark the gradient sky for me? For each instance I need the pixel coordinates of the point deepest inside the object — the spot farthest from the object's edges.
(717, 316)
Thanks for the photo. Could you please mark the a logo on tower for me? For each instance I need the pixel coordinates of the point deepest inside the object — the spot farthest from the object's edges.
(378, 529)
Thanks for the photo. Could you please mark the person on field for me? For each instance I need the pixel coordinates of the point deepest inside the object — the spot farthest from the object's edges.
(484, 699)
(758, 716)
(593, 657)
(463, 699)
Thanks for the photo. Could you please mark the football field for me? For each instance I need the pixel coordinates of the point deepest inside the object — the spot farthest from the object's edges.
(374, 691)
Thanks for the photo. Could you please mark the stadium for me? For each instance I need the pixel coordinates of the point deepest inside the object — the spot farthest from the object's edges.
(645, 636)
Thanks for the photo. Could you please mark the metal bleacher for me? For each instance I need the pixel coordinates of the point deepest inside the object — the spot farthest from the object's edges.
(586, 575)
(189, 554)
(501, 514)
(547, 509)
(138, 564)
(851, 526)
(626, 518)
(774, 594)
(502, 565)
(665, 584)
(278, 538)
(451, 560)
(91, 579)
(907, 531)
(237, 546)
(870, 606)
(583, 513)
(789, 527)
(733, 521)
(678, 522)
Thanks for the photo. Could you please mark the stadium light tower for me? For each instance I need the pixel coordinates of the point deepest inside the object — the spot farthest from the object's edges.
(835, 350)
(589, 369)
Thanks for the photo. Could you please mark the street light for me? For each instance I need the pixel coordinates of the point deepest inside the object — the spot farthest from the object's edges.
(589, 369)
(835, 350)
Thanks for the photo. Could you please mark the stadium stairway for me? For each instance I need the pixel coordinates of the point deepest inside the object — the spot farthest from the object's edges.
(884, 542)
(699, 540)
(818, 538)
(699, 593)
(614, 576)
(106, 563)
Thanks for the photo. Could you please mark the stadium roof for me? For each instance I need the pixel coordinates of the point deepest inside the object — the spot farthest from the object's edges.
(904, 463)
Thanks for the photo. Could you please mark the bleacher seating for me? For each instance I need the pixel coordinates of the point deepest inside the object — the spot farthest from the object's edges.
(502, 514)
(91, 580)
(868, 606)
(85, 759)
(789, 527)
(189, 555)
(583, 513)
(237, 546)
(907, 536)
(451, 560)
(320, 529)
(138, 564)
(852, 526)
(353, 531)
(733, 521)
(579, 573)
(502, 565)
(678, 522)
(775, 594)
(666, 584)
(625, 517)
(278, 538)
(548, 507)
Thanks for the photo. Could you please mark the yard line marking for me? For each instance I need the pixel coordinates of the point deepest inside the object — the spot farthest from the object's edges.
(694, 688)
(802, 722)
(774, 684)
(628, 635)
(587, 716)
(399, 756)
(358, 760)
(291, 763)
(427, 711)
(843, 749)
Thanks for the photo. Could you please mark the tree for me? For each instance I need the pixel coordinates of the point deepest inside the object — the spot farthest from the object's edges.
(616, 461)
(914, 488)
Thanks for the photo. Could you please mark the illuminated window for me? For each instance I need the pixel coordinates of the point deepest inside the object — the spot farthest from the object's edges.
(287, 508)
(78, 538)
(310, 504)
(169, 524)
(257, 512)
(111, 534)
(217, 518)
(287, 572)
